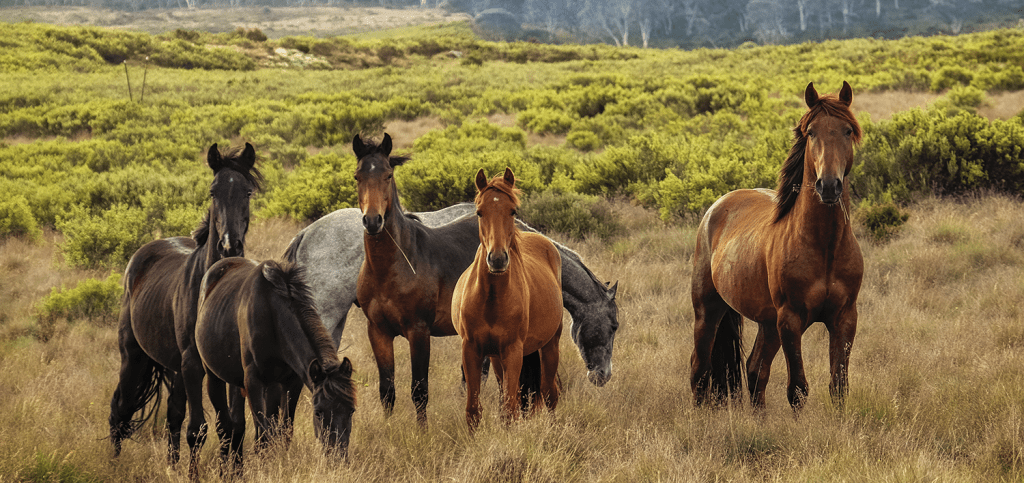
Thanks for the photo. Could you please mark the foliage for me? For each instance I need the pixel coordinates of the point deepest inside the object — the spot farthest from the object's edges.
(97, 301)
(322, 184)
(883, 219)
(571, 214)
(16, 219)
(107, 238)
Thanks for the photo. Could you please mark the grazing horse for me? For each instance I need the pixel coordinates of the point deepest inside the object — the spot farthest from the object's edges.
(258, 328)
(331, 251)
(161, 288)
(784, 259)
(507, 303)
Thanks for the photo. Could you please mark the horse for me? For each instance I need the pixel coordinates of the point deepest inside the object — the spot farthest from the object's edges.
(331, 251)
(161, 288)
(258, 329)
(784, 259)
(507, 303)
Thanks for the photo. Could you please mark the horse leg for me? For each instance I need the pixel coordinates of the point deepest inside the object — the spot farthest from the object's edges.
(216, 390)
(383, 346)
(192, 373)
(257, 395)
(472, 368)
(708, 310)
(236, 404)
(511, 364)
(840, 343)
(530, 382)
(290, 402)
(791, 331)
(176, 403)
(139, 381)
(759, 364)
(419, 353)
(549, 390)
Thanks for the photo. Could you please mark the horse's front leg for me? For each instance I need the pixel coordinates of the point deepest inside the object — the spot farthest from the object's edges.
(419, 353)
(549, 355)
(176, 403)
(511, 365)
(472, 368)
(840, 342)
(256, 391)
(383, 345)
(759, 364)
(790, 331)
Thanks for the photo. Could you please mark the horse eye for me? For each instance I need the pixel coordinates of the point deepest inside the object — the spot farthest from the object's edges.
(849, 132)
(249, 194)
(514, 212)
(478, 215)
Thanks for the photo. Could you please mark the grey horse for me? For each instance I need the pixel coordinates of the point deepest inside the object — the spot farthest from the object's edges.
(331, 251)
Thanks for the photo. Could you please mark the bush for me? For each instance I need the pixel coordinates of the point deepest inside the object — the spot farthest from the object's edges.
(882, 219)
(107, 239)
(16, 219)
(320, 185)
(97, 301)
(571, 214)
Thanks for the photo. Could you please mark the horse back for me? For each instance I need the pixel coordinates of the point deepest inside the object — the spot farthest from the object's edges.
(152, 277)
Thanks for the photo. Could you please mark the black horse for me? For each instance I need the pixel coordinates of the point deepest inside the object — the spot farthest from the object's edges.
(258, 328)
(158, 308)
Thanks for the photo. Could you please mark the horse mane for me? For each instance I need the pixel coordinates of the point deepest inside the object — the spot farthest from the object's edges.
(252, 174)
(202, 231)
(791, 176)
(289, 281)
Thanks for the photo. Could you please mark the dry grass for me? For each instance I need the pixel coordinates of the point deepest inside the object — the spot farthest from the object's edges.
(937, 382)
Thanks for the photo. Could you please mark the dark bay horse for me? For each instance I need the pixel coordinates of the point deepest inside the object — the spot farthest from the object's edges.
(331, 251)
(508, 302)
(408, 274)
(258, 329)
(784, 259)
(161, 288)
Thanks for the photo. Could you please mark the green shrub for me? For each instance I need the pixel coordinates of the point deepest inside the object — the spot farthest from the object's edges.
(882, 219)
(571, 214)
(951, 75)
(97, 301)
(16, 219)
(320, 185)
(107, 239)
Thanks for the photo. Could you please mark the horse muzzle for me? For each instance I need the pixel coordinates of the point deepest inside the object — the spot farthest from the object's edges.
(497, 262)
(231, 247)
(373, 224)
(600, 376)
(829, 191)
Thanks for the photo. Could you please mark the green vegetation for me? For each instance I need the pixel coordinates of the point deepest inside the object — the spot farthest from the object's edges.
(671, 130)
(97, 301)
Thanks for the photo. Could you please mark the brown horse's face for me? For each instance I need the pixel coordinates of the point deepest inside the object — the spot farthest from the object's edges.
(829, 152)
(229, 207)
(375, 183)
(496, 211)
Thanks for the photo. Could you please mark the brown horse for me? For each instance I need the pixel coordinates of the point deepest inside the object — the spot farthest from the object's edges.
(258, 329)
(784, 259)
(508, 302)
(161, 288)
(408, 274)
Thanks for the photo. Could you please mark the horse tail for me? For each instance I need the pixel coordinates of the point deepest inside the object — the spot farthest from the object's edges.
(727, 357)
(139, 384)
(289, 281)
(291, 254)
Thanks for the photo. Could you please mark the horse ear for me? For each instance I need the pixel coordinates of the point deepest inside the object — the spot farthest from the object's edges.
(510, 177)
(346, 368)
(846, 94)
(316, 372)
(385, 146)
(481, 180)
(213, 159)
(613, 290)
(248, 158)
(811, 96)
(358, 147)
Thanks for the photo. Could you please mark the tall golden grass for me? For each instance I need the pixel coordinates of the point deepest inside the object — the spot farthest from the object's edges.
(937, 381)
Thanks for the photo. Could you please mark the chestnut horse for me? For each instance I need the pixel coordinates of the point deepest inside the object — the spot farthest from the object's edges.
(784, 259)
(161, 288)
(508, 302)
(257, 328)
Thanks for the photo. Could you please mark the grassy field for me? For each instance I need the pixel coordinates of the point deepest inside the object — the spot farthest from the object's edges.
(937, 380)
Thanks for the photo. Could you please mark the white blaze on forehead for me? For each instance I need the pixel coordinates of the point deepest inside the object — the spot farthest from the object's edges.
(373, 166)
(495, 198)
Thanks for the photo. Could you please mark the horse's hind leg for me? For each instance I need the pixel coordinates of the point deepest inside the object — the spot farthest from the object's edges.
(139, 381)
(759, 364)
(530, 382)
(193, 372)
(215, 388)
(709, 309)
(549, 391)
(176, 403)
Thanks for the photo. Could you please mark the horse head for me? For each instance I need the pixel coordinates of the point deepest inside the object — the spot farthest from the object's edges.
(375, 182)
(334, 401)
(496, 204)
(830, 130)
(597, 337)
(235, 179)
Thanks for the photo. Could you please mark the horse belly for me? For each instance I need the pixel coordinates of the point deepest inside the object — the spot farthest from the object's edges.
(741, 278)
(152, 319)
